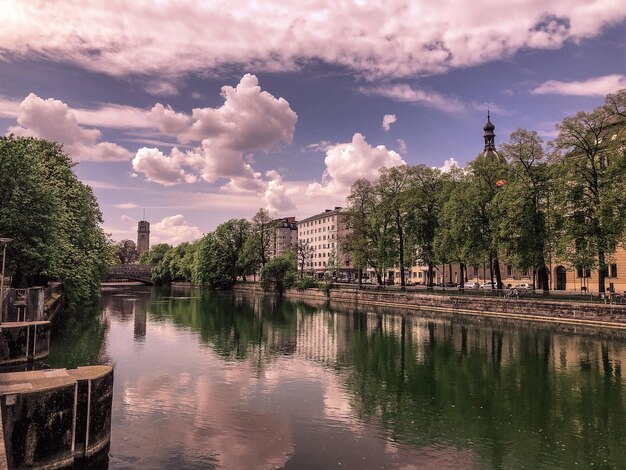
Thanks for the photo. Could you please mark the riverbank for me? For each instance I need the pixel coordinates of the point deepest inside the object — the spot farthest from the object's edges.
(581, 313)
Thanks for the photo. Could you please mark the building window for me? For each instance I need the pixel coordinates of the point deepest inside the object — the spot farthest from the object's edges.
(509, 270)
(614, 270)
(586, 272)
(525, 272)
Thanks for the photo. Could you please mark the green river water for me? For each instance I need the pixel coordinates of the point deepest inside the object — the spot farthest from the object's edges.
(235, 381)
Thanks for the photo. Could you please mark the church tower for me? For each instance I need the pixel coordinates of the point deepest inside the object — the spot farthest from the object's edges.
(490, 140)
(143, 236)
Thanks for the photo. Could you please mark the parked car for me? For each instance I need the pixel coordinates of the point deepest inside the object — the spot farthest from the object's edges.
(523, 286)
(488, 285)
(471, 285)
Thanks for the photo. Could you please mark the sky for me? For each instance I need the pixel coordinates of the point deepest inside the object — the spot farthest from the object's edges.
(198, 112)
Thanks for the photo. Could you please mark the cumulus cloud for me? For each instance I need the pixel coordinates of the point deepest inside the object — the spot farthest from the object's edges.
(169, 121)
(163, 169)
(347, 162)
(174, 230)
(276, 195)
(597, 86)
(449, 164)
(250, 119)
(406, 94)
(53, 120)
(394, 38)
(388, 120)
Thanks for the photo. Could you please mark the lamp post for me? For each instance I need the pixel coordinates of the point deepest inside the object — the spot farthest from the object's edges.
(5, 242)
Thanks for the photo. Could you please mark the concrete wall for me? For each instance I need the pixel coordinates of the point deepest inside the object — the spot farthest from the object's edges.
(514, 308)
(24, 341)
(52, 417)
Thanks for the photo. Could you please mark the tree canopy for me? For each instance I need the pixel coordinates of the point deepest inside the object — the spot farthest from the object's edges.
(53, 219)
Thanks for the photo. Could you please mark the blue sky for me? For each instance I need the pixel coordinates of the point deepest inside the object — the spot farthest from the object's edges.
(200, 113)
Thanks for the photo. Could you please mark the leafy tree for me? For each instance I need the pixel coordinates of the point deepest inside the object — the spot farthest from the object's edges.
(524, 202)
(590, 169)
(393, 185)
(279, 273)
(369, 240)
(483, 211)
(258, 244)
(155, 254)
(222, 256)
(212, 269)
(304, 254)
(453, 232)
(426, 198)
(53, 219)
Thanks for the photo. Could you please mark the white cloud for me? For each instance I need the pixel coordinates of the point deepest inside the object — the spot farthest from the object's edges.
(597, 86)
(394, 38)
(388, 120)
(405, 93)
(126, 205)
(401, 146)
(169, 121)
(250, 119)
(347, 162)
(173, 230)
(276, 195)
(161, 89)
(162, 169)
(449, 164)
(53, 120)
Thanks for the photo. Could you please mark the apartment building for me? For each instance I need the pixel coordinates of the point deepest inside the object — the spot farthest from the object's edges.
(325, 232)
(284, 237)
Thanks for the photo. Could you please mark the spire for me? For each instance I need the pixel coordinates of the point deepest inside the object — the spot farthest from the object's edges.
(489, 135)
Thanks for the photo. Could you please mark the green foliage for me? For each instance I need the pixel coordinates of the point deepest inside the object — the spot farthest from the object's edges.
(53, 219)
(306, 282)
(279, 273)
(155, 254)
(176, 264)
(589, 168)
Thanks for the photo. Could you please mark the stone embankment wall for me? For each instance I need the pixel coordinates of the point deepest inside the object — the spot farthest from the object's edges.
(50, 418)
(534, 309)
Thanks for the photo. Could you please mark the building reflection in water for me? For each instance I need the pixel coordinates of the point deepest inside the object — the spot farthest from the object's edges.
(259, 382)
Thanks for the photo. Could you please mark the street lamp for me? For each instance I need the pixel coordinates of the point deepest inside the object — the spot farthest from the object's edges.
(5, 242)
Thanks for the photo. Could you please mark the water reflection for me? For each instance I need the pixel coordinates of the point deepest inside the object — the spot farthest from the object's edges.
(236, 381)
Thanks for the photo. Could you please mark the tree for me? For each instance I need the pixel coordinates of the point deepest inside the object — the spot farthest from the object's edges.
(53, 219)
(212, 268)
(524, 203)
(393, 185)
(222, 256)
(590, 168)
(483, 211)
(425, 197)
(304, 254)
(155, 254)
(369, 240)
(259, 241)
(279, 273)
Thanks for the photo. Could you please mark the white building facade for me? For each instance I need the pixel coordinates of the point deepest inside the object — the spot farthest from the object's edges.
(326, 233)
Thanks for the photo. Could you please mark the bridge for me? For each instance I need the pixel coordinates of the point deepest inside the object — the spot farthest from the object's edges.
(130, 272)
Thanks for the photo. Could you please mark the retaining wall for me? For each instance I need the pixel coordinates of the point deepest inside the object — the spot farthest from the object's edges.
(536, 309)
(50, 418)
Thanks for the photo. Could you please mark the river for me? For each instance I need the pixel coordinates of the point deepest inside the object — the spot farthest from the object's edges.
(236, 381)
